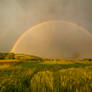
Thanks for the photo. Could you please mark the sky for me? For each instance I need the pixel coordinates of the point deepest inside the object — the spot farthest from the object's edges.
(16, 16)
(55, 39)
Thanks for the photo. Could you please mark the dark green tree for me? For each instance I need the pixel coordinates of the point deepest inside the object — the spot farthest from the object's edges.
(10, 56)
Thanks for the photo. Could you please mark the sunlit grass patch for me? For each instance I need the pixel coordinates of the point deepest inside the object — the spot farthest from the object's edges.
(76, 79)
(42, 82)
(4, 66)
(9, 61)
(57, 62)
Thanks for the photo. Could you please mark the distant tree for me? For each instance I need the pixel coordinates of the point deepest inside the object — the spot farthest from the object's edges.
(10, 56)
(3, 55)
(88, 59)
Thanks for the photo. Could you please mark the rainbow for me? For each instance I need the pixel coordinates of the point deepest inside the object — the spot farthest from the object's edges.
(35, 26)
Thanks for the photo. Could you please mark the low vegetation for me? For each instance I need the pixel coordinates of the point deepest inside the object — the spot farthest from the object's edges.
(28, 75)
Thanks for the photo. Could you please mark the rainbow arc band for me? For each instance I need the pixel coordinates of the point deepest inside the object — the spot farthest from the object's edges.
(51, 21)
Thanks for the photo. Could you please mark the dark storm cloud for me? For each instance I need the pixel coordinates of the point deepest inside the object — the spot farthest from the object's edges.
(18, 15)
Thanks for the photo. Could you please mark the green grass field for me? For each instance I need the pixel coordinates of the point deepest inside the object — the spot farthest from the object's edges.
(46, 76)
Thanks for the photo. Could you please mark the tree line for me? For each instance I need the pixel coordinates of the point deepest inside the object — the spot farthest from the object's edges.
(7, 56)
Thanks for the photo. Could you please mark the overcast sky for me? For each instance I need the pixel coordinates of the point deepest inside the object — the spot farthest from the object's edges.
(16, 16)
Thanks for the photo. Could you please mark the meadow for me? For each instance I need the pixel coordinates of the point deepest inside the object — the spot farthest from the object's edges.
(45, 76)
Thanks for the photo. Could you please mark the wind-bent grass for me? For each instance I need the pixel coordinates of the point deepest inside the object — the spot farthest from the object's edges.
(42, 82)
(47, 76)
(76, 80)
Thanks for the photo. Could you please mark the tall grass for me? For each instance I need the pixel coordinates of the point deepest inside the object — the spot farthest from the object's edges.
(43, 77)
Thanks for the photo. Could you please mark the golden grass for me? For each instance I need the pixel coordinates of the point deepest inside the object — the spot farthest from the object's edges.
(4, 66)
(42, 80)
(28, 77)
(8, 61)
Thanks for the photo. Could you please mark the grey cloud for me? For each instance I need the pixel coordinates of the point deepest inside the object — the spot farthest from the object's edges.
(16, 16)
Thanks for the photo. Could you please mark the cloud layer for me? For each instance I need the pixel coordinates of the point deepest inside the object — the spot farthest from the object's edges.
(16, 16)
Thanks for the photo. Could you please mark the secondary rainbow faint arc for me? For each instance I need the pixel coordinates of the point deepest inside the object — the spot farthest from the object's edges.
(51, 21)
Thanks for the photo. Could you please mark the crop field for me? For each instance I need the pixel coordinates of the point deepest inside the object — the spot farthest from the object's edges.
(46, 76)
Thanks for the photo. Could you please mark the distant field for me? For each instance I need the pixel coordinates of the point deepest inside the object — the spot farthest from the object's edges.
(46, 76)
(7, 61)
